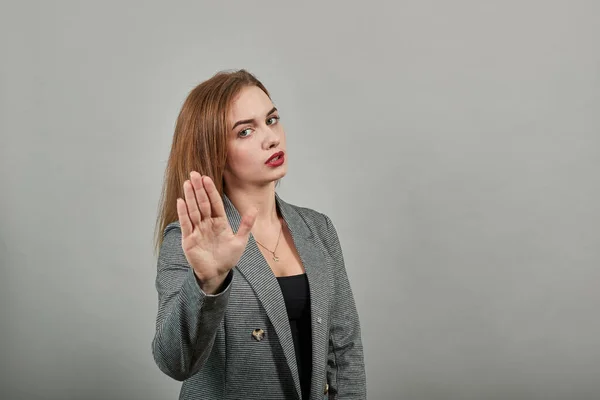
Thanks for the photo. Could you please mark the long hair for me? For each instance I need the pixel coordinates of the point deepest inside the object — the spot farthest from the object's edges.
(200, 140)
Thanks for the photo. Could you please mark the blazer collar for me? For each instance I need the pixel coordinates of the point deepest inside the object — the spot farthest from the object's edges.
(290, 215)
(257, 272)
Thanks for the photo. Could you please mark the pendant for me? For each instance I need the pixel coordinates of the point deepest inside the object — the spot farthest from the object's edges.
(275, 258)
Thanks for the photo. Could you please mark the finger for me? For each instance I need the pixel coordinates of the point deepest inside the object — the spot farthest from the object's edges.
(218, 210)
(190, 201)
(184, 218)
(247, 223)
(201, 196)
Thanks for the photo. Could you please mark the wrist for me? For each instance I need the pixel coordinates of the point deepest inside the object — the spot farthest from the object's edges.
(211, 285)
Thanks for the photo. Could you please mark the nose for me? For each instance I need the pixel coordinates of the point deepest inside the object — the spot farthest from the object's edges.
(271, 138)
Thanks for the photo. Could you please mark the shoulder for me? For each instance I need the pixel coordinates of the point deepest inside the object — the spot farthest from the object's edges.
(171, 242)
(173, 227)
(318, 223)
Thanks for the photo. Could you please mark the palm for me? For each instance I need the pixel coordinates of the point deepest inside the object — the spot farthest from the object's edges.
(208, 242)
(213, 245)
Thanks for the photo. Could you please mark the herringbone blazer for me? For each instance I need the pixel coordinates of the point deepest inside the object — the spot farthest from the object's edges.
(206, 341)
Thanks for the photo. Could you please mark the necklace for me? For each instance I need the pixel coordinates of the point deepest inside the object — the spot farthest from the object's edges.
(275, 258)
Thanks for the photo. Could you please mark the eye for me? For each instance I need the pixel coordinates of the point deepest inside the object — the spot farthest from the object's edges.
(240, 134)
(273, 120)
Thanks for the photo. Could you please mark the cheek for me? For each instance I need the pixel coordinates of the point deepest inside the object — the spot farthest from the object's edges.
(238, 158)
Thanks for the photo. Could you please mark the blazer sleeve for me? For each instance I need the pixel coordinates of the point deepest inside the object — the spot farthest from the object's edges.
(345, 367)
(187, 319)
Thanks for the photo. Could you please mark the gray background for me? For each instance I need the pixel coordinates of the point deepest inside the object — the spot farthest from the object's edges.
(455, 145)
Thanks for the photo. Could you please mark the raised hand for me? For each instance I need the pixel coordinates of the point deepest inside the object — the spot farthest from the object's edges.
(209, 244)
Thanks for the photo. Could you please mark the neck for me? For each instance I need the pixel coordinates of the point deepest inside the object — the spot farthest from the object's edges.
(262, 199)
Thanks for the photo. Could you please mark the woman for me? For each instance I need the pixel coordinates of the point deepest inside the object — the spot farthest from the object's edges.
(253, 297)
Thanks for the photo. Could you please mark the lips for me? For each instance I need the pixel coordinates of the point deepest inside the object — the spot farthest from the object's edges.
(274, 156)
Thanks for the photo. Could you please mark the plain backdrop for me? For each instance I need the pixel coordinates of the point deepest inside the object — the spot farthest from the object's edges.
(455, 145)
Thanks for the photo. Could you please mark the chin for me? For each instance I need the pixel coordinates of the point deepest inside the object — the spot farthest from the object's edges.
(283, 171)
(277, 176)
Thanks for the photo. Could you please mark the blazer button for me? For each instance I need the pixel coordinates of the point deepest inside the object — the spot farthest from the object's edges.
(258, 334)
(326, 388)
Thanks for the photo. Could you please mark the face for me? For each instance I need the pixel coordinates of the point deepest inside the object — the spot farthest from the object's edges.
(256, 135)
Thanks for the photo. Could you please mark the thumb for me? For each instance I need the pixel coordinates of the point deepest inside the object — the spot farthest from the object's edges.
(247, 223)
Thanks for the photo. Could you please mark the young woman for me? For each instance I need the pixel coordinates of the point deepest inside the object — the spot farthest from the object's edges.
(253, 297)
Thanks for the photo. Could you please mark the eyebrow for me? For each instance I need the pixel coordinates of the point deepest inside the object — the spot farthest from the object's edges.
(247, 121)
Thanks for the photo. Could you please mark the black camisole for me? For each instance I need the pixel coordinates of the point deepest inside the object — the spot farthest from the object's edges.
(296, 295)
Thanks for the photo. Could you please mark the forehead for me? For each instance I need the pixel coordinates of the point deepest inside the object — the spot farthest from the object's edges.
(251, 102)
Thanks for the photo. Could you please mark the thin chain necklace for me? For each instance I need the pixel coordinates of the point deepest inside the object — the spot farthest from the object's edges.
(275, 258)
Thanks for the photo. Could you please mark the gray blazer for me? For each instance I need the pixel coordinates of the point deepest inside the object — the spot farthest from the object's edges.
(207, 341)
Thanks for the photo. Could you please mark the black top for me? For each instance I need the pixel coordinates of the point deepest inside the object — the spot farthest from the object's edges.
(297, 302)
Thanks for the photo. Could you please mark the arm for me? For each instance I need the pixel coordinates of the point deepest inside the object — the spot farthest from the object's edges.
(188, 318)
(345, 366)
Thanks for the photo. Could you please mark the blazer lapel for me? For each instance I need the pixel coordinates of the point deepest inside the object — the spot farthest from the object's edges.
(260, 276)
(313, 260)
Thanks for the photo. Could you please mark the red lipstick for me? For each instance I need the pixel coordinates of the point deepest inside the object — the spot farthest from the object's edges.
(276, 159)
